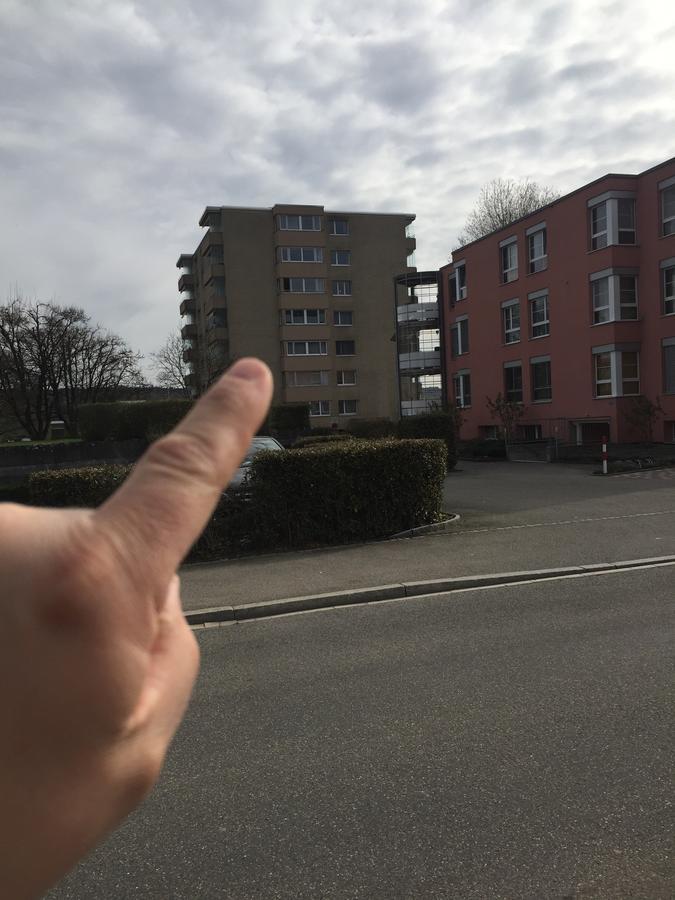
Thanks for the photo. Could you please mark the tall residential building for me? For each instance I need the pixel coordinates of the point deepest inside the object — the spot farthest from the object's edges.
(309, 291)
(571, 312)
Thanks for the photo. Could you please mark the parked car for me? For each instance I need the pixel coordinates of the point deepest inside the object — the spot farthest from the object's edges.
(239, 478)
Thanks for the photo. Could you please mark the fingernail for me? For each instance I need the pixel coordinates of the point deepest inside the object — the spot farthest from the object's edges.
(248, 369)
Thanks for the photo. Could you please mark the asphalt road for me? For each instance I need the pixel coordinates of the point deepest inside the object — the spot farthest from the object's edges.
(506, 743)
(513, 517)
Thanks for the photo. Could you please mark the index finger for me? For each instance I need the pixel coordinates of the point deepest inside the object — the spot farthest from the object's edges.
(162, 507)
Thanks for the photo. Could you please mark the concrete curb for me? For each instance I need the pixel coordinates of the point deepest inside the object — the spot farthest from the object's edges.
(435, 528)
(399, 591)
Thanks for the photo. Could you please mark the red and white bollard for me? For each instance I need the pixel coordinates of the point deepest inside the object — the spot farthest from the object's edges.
(604, 455)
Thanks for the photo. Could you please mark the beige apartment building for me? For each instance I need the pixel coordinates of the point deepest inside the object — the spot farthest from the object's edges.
(311, 292)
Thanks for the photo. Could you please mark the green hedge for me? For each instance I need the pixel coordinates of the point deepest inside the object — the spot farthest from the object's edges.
(439, 425)
(326, 494)
(121, 421)
(289, 417)
(372, 428)
(313, 440)
(352, 491)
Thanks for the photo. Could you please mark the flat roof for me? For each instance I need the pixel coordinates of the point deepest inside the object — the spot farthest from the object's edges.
(342, 212)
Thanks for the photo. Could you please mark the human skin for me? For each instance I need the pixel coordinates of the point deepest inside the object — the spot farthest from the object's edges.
(97, 662)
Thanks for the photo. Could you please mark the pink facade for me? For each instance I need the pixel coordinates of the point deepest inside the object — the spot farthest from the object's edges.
(570, 310)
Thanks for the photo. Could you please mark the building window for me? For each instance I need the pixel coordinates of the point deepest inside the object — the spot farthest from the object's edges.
(617, 373)
(612, 220)
(343, 317)
(346, 377)
(539, 321)
(342, 288)
(460, 280)
(668, 210)
(614, 297)
(340, 257)
(511, 320)
(626, 221)
(669, 290)
(459, 337)
(509, 262)
(302, 285)
(300, 254)
(306, 348)
(513, 382)
(347, 407)
(303, 317)
(540, 370)
(319, 408)
(345, 348)
(536, 251)
(461, 383)
(669, 366)
(530, 432)
(305, 379)
(298, 223)
(599, 226)
(339, 226)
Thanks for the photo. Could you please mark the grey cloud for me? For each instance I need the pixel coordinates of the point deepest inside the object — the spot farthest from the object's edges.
(400, 75)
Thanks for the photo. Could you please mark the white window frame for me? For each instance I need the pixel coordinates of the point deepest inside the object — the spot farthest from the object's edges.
(667, 196)
(461, 384)
(313, 254)
(615, 308)
(341, 377)
(545, 322)
(319, 408)
(460, 336)
(668, 351)
(319, 348)
(611, 234)
(320, 317)
(540, 262)
(541, 361)
(353, 353)
(460, 280)
(342, 287)
(338, 314)
(508, 260)
(668, 286)
(293, 379)
(333, 230)
(616, 379)
(511, 330)
(342, 407)
(515, 364)
(303, 285)
(298, 222)
(335, 255)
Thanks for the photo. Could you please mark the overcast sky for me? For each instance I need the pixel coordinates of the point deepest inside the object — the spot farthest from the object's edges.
(121, 121)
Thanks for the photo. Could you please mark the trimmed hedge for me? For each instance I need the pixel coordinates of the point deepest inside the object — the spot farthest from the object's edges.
(120, 421)
(433, 425)
(289, 417)
(330, 493)
(372, 428)
(482, 449)
(352, 491)
(313, 440)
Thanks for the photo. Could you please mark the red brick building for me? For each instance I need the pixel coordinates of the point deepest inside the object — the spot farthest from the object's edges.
(571, 311)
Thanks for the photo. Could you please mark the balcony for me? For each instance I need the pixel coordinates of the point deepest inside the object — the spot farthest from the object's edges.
(186, 282)
(191, 380)
(410, 313)
(212, 238)
(188, 332)
(213, 268)
(420, 361)
(185, 261)
(188, 307)
(216, 334)
(189, 355)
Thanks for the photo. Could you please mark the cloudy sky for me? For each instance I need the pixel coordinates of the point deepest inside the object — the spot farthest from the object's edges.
(120, 121)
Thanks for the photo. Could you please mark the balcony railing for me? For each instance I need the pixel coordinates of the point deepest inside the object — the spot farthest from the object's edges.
(417, 312)
(188, 332)
(420, 360)
(415, 407)
(186, 282)
(188, 307)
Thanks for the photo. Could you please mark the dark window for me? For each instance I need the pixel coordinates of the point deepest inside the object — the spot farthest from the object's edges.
(513, 383)
(626, 216)
(541, 380)
(345, 348)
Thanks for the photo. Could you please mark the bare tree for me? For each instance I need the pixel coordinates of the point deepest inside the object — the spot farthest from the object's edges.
(501, 202)
(52, 359)
(508, 414)
(168, 365)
